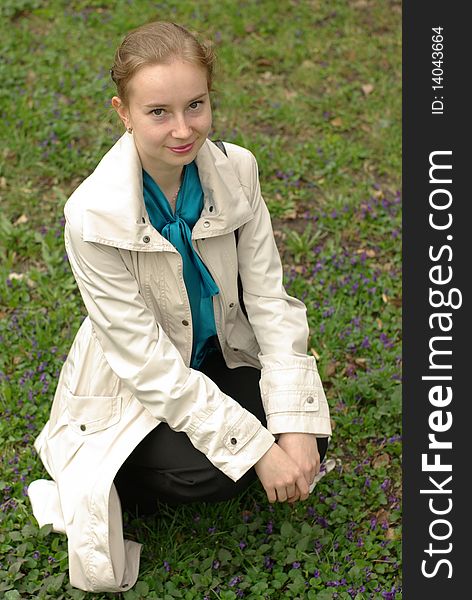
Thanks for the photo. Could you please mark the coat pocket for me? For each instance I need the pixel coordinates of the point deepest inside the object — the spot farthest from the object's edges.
(88, 414)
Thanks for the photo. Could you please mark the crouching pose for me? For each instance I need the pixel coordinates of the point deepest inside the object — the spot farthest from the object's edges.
(189, 378)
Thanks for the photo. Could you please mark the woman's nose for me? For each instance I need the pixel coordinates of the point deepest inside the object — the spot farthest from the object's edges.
(181, 128)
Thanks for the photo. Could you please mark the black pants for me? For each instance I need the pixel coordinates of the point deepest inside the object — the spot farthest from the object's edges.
(166, 467)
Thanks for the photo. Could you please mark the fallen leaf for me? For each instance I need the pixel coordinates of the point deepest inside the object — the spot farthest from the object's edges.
(390, 534)
(382, 515)
(21, 220)
(379, 323)
(368, 88)
(365, 128)
(3, 182)
(264, 62)
(249, 28)
(337, 122)
(20, 277)
(331, 368)
(315, 353)
(385, 298)
(289, 94)
(381, 461)
(333, 424)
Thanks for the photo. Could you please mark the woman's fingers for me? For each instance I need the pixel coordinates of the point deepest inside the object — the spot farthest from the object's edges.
(282, 479)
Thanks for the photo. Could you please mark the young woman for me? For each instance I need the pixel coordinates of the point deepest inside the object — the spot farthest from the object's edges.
(189, 378)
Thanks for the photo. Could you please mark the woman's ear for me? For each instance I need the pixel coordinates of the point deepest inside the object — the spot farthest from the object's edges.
(123, 113)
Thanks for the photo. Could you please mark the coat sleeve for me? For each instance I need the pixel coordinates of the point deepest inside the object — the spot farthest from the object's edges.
(291, 389)
(143, 357)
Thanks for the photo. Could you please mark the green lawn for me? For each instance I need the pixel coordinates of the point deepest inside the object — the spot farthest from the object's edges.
(314, 90)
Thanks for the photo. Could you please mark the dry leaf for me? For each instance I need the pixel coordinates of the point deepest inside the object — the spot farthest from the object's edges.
(385, 298)
(379, 323)
(249, 28)
(333, 424)
(264, 62)
(315, 353)
(331, 368)
(3, 183)
(20, 277)
(21, 220)
(381, 461)
(382, 515)
(337, 122)
(365, 128)
(368, 88)
(289, 94)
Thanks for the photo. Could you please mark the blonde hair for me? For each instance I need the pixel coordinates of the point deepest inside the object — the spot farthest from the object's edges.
(158, 43)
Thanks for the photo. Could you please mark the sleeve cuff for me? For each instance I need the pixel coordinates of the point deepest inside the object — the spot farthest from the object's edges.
(293, 395)
(233, 449)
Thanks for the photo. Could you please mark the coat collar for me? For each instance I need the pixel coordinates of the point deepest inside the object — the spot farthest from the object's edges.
(112, 205)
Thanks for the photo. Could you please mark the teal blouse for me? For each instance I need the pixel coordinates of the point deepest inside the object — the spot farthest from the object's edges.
(177, 228)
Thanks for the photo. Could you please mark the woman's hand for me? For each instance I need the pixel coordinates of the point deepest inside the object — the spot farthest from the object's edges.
(280, 476)
(302, 448)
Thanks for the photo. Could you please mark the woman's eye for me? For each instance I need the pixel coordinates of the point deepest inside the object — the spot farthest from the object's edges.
(196, 104)
(157, 112)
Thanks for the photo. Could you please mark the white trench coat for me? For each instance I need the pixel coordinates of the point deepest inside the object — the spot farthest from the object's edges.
(128, 367)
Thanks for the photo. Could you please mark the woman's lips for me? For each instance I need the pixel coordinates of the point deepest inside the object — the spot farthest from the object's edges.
(181, 149)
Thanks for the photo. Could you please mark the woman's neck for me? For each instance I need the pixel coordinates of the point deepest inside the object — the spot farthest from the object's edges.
(169, 181)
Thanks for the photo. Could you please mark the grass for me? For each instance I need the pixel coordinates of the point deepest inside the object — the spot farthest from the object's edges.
(313, 89)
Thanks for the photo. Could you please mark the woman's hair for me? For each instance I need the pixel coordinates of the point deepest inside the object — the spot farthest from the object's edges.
(158, 43)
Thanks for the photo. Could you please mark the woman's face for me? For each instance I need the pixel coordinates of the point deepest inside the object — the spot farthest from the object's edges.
(170, 113)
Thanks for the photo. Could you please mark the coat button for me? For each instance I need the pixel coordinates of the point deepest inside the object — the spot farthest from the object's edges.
(83, 428)
(146, 239)
(234, 441)
(206, 224)
(310, 399)
(185, 322)
(231, 304)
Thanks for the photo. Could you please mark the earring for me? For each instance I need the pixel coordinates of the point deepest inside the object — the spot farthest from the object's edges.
(129, 130)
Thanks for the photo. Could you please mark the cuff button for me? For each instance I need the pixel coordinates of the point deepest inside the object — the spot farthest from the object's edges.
(234, 441)
(83, 428)
(310, 399)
